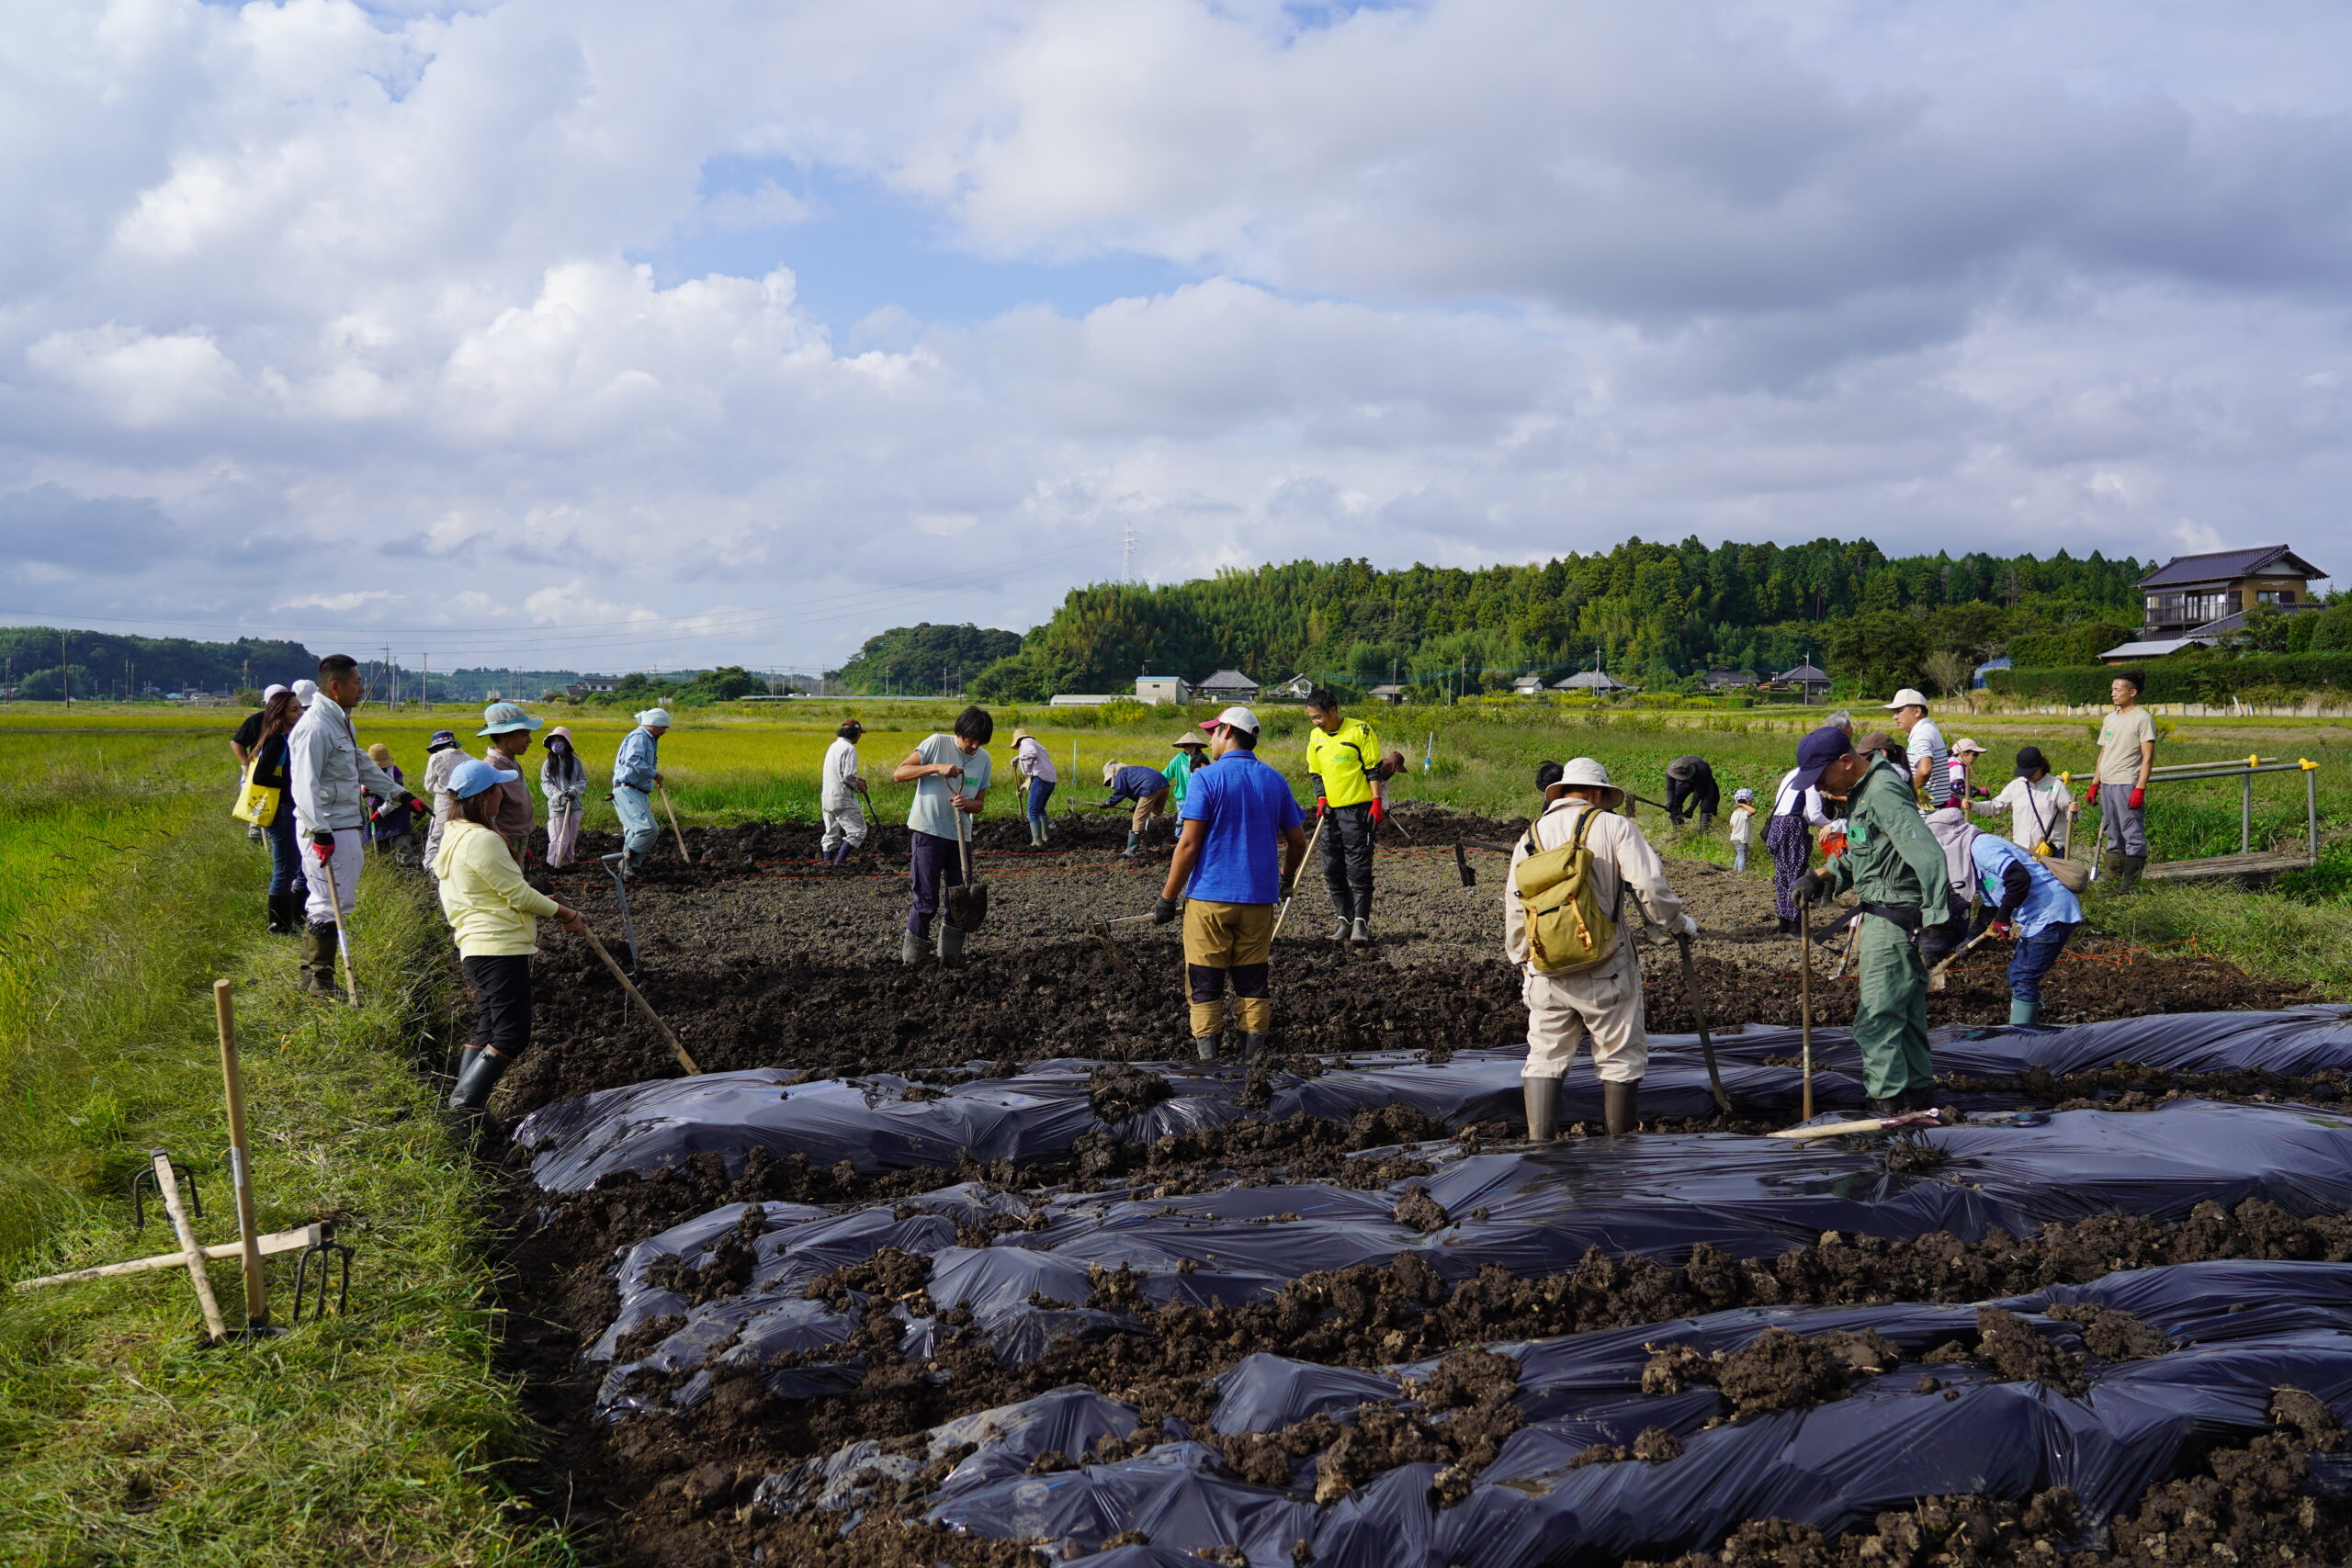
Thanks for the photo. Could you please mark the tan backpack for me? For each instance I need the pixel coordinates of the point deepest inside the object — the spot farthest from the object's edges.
(1566, 929)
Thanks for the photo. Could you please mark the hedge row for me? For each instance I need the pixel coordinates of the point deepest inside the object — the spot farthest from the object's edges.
(2185, 680)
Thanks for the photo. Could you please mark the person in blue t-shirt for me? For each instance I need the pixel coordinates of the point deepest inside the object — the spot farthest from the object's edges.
(1226, 879)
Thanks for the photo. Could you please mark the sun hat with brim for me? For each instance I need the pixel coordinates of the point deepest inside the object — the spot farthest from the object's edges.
(1238, 718)
(440, 740)
(1742, 795)
(1111, 770)
(562, 733)
(1908, 697)
(1816, 753)
(1585, 772)
(654, 719)
(1965, 744)
(473, 775)
(1021, 732)
(2030, 761)
(505, 718)
(1183, 741)
(1878, 741)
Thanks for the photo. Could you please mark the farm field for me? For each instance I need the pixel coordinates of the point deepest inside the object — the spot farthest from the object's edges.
(498, 1394)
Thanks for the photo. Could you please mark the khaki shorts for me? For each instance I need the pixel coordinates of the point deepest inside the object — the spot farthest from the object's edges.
(1146, 809)
(1229, 941)
(1603, 1005)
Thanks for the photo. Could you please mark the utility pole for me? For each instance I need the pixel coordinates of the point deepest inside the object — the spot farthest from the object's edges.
(1128, 556)
(66, 669)
(425, 692)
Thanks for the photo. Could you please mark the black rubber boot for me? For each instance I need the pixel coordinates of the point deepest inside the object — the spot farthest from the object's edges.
(951, 944)
(1788, 926)
(1918, 1097)
(283, 914)
(1252, 1046)
(1882, 1107)
(1205, 1047)
(1344, 930)
(1543, 1107)
(2127, 873)
(479, 1076)
(318, 960)
(1360, 934)
(1621, 1106)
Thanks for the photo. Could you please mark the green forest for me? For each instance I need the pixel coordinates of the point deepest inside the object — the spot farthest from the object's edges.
(40, 663)
(923, 659)
(1654, 614)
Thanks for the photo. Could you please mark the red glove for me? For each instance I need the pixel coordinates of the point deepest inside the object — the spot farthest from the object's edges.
(1379, 812)
(323, 846)
(2091, 798)
(1321, 805)
(2138, 798)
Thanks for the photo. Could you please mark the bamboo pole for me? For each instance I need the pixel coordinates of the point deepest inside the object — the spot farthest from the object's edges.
(192, 1252)
(241, 1172)
(673, 823)
(1804, 998)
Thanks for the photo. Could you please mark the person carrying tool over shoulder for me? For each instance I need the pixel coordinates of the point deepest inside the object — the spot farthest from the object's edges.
(1035, 768)
(1345, 765)
(2042, 810)
(839, 797)
(1224, 878)
(1148, 787)
(328, 774)
(951, 774)
(1691, 782)
(2126, 753)
(494, 915)
(637, 769)
(1564, 914)
(2007, 884)
(1893, 862)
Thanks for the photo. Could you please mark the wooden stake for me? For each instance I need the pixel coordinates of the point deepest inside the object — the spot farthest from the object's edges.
(169, 1186)
(1805, 997)
(241, 1172)
(673, 824)
(655, 1019)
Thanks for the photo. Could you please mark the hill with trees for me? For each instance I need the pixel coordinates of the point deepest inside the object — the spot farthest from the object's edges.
(923, 659)
(1652, 614)
(37, 661)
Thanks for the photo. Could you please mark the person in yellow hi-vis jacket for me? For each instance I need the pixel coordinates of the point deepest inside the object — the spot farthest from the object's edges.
(1344, 761)
(1599, 1000)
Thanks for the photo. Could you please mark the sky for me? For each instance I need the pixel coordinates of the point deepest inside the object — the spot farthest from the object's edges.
(573, 334)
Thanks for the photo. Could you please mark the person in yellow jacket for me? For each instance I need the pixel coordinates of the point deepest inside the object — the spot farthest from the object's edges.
(494, 915)
(1344, 761)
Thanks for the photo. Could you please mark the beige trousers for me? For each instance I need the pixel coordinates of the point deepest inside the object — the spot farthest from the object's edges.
(1150, 807)
(1603, 1005)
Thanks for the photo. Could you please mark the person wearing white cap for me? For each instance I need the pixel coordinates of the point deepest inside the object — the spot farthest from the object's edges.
(1595, 993)
(494, 915)
(1743, 826)
(327, 772)
(1225, 880)
(1924, 748)
(637, 768)
(1035, 767)
(1961, 772)
(244, 742)
(508, 729)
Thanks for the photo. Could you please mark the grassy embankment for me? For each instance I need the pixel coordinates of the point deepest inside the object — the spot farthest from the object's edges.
(124, 890)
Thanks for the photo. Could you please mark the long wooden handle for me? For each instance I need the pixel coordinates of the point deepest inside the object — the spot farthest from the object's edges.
(268, 1246)
(191, 1250)
(1706, 1041)
(1805, 997)
(1284, 913)
(241, 1172)
(341, 936)
(647, 1008)
(675, 831)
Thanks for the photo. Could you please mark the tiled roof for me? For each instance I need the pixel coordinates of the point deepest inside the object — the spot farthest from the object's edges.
(1803, 673)
(2222, 566)
(1226, 681)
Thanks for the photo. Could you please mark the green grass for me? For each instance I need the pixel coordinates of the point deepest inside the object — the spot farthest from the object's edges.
(370, 1439)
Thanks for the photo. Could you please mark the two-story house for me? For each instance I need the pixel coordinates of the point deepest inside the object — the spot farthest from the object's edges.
(2200, 600)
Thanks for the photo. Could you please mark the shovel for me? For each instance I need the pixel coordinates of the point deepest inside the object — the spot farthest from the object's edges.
(673, 824)
(1706, 1041)
(1866, 1124)
(967, 904)
(1936, 976)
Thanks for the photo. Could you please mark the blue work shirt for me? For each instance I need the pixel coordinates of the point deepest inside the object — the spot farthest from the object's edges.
(638, 760)
(1135, 782)
(1248, 808)
(2047, 903)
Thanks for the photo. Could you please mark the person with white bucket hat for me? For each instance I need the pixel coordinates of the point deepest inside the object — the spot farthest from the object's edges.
(1590, 988)
(637, 769)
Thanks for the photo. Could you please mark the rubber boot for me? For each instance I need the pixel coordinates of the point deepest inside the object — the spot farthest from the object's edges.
(282, 911)
(1788, 926)
(2021, 1014)
(1344, 930)
(911, 950)
(1037, 833)
(1359, 933)
(951, 945)
(1205, 1047)
(1882, 1107)
(1252, 1046)
(1918, 1097)
(1130, 849)
(1045, 834)
(1543, 1107)
(318, 960)
(2127, 873)
(1620, 1106)
(479, 1076)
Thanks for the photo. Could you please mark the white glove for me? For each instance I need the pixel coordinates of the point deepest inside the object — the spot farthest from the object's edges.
(1686, 926)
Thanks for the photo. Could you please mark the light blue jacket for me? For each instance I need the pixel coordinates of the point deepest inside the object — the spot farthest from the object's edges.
(639, 759)
(2047, 903)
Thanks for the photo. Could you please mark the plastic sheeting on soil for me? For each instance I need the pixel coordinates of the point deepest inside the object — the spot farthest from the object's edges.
(1531, 1211)
(1892, 1439)
(875, 1123)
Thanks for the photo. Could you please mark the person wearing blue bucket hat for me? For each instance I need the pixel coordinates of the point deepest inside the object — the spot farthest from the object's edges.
(494, 916)
(442, 755)
(508, 729)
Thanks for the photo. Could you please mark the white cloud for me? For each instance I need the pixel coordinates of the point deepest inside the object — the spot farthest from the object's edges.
(1472, 280)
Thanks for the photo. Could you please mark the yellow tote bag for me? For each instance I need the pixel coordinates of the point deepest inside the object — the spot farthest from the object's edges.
(257, 804)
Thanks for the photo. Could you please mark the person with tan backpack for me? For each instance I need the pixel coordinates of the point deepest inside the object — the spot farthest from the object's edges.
(1565, 918)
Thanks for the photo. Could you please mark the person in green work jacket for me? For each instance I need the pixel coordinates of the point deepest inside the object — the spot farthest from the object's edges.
(1894, 864)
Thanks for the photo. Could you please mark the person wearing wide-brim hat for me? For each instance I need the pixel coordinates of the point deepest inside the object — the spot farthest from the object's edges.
(637, 769)
(494, 915)
(442, 755)
(1192, 756)
(840, 794)
(1035, 766)
(508, 729)
(1598, 998)
(563, 783)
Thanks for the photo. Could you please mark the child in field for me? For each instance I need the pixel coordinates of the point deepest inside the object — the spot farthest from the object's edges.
(388, 829)
(1743, 826)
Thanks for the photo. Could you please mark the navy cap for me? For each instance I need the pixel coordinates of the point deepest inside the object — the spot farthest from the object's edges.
(2031, 761)
(441, 742)
(1816, 751)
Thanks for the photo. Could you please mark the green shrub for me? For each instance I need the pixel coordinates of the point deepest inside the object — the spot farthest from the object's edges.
(2184, 679)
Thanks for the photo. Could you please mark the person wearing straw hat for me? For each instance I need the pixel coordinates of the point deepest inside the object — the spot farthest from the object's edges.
(563, 780)
(637, 769)
(494, 915)
(508, 729)
(1148, 787)
(838, 793)
(442, 755)
(1191, 755)
(1035, 767)
(1226, 882)
(1894, 864)
(1600, 1000)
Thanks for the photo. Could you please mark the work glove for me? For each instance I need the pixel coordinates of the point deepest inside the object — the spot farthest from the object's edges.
(323, 846)
(1164, 912)
(1813, 889)
(1685, 927)
(2090, 797)
(2139, 797)
(1321, 805)
(1379, 812)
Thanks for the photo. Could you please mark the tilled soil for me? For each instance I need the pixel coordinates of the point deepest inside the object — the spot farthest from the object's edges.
(759, 956)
